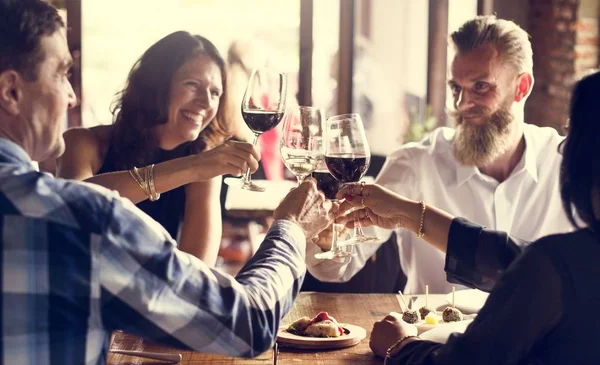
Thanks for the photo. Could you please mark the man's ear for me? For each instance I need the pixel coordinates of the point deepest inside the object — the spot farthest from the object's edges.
(10, 92)
(524, 86)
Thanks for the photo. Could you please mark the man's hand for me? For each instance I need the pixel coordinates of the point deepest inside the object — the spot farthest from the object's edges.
(230, 157)
(325, 239)
(307, 207)
(388, 331)
(377, 205)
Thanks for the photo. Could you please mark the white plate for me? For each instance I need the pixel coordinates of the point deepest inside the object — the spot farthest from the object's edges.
(423, 327)
(468, 300)
(354, 336)
(441, 333)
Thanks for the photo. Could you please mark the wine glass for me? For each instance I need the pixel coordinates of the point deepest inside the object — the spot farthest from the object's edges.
(347, 156)
(262, 109)
(329, 185)
(301, 141)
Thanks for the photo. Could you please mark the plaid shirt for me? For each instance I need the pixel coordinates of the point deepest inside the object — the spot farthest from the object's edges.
(78, 262)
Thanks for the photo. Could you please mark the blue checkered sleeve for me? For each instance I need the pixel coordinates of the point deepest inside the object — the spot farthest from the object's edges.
(151, 289)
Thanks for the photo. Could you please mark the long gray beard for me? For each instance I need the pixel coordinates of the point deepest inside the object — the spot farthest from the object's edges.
(479, 145)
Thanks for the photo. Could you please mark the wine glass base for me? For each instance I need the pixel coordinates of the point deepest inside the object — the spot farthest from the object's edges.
(246, 185)
(359, 240)
(339, 255)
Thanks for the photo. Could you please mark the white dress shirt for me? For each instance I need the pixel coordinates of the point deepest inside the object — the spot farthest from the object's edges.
(527, 205)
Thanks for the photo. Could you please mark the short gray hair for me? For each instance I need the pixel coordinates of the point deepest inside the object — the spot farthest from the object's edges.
(511, 41)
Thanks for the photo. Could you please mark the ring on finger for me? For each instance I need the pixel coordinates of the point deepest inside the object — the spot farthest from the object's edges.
(362, 201)
(362, 186)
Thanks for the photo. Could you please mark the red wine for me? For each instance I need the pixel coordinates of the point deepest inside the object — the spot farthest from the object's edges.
(261, 121)
(347, 168)
(328, 184)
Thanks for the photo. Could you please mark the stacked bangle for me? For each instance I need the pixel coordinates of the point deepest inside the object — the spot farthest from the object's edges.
(154, 196)
(147, 182)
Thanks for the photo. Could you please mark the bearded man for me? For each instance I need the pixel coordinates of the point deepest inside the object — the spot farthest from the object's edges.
(493, 168)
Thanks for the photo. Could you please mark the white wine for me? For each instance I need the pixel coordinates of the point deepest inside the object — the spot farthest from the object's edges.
(300, 162)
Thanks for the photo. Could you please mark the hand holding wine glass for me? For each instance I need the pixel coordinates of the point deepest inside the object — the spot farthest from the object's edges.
(262, 109)
(301, 141)
(347, 156)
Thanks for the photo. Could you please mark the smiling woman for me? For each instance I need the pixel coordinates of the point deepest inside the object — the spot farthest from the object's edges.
(168, 119)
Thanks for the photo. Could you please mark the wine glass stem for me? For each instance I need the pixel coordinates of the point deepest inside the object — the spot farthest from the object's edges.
(334, 236)
(299, 178)
(247, 177)
(358, 231)
(334, 240)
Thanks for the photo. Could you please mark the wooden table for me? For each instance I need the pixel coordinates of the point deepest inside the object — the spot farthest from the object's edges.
(358, 309)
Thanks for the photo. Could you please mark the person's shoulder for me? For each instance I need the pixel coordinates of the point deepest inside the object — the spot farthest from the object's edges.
(542, 138)
(89, 144)
(70, 203)
(96, 138)
(560, 245)
(439, 141)
(431, 147)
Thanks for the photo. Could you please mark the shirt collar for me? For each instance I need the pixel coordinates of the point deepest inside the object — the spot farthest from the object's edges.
(464, 173)
(11, 152)
(530, 155)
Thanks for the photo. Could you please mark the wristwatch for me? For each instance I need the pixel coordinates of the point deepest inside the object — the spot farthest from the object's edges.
(393, 350)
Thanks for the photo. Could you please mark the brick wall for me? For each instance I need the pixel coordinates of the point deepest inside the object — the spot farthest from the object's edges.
(586, 44)
(552, 25)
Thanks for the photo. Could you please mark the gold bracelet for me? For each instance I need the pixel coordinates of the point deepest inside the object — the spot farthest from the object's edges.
(153, 195)
(421, 233)
(146, 183)
(392, 350)
(135, 174)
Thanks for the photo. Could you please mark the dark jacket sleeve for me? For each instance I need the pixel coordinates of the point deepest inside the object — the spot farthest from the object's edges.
(476, 256)
(524, 307)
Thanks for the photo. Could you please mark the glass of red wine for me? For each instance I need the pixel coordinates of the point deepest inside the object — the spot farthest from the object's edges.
(263, 107)
(329, 185)
(347, 156)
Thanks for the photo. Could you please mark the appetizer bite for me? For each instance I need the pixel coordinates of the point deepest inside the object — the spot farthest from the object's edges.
(425, 310)
(322, 325)
(410, 316)
(452, 314)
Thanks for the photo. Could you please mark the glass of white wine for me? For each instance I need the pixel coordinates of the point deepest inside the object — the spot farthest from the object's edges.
(302, 140)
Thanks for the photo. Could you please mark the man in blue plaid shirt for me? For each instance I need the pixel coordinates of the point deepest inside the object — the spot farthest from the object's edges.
(77, 261)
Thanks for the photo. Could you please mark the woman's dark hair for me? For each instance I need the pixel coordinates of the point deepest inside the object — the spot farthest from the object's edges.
(144, 102)
(22, 25)
(580, 168)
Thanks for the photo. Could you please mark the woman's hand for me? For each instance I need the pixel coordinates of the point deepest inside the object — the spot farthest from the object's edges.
(230, 157)
(377, 205)
(388, 331)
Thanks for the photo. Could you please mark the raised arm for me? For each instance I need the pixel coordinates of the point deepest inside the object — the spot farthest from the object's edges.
(383, 208)
(475, 256)
(202, 225)
(155, 291)
(524, 308)
(85, 153)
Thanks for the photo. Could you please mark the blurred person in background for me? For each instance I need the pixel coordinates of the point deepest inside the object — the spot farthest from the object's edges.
(243, 56)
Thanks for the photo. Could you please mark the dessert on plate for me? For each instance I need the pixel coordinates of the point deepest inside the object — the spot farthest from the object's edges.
(322, 325)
